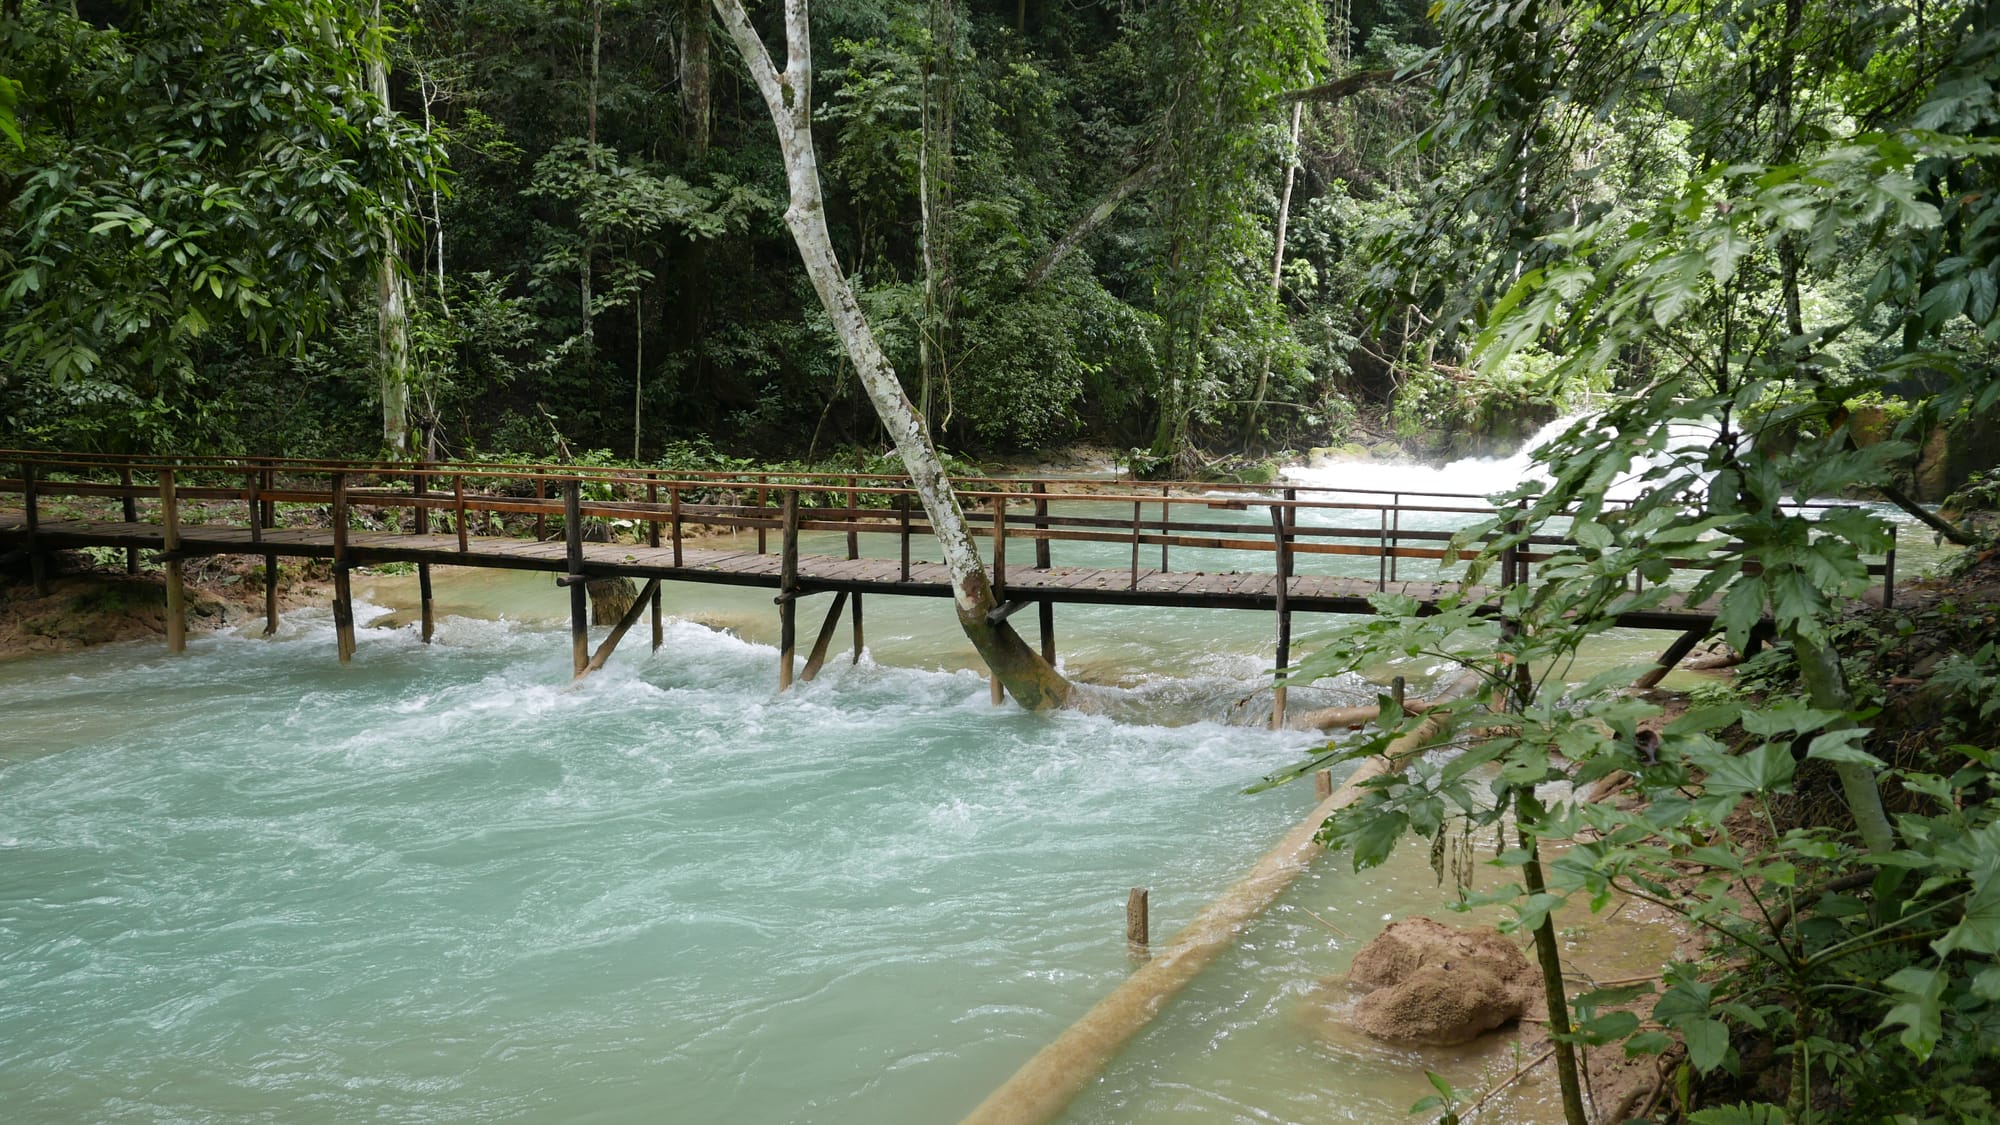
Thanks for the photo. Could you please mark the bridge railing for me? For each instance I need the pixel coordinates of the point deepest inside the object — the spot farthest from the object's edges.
(1197, 522)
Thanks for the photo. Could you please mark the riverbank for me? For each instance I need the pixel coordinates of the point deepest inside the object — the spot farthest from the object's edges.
(87, 603)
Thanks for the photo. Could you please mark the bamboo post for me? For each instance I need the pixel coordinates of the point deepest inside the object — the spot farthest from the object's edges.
(618, 631)
(1395, 532)
(170, 548)
(817, 657)
(37, 563)
(788, 592)
(130, 503)
(343, 593)
(1138, 927)
(579, 597)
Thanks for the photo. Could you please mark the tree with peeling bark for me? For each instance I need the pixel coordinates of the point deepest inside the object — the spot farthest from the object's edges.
(788, 94)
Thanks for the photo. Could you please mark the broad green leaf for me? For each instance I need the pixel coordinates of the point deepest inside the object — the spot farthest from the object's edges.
(1707, 1043)
(1918, 993)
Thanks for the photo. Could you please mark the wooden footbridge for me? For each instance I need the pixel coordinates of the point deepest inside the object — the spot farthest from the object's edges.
(1225, 546)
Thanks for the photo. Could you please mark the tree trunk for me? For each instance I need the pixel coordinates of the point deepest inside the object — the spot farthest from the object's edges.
(392, 297)
(1032, 681)
(610, 599)
(696, 76)
(1277, 265)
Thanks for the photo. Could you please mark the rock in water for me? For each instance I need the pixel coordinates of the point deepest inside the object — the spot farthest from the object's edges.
(610, 598)
(1437, 986)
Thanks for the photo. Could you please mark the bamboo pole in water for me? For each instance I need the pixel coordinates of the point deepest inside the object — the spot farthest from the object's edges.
(1046, 1084)
(817, 658)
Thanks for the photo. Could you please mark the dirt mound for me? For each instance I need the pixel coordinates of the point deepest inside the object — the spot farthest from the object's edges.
(1435, 985)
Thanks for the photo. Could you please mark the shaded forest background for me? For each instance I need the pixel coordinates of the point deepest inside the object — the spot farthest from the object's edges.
(586, 200)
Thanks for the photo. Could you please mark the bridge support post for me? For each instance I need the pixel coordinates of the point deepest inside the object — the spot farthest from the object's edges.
(858, 640)
(1281, 524)
(420, 516)
(618, 631)
(270, 594)
(817, 657)
(170, 546)
(579, 596)
(653, 540)
(343, 591)
(788, 590)
(1045, 612)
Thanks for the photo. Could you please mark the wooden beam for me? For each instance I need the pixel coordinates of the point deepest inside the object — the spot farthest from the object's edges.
(619, 630)
(818, 655)
(858, 639)
(270, 594)
(1669, 659)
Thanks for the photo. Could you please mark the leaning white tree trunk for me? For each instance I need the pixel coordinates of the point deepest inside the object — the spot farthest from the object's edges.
(392, 289)
(788, 93)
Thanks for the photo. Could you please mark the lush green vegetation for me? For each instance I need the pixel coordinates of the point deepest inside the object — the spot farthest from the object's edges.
(1060, 220)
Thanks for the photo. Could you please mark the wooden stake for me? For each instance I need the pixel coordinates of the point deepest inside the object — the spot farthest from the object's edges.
(170, 545)
(999, 690)
(857, 629)
(1138, 927)
(818, 654)
(1322, 784)
(458, 501)
(579, 597)
(618, 631)
(1000, 549)
(343, 593)
(1045, 611)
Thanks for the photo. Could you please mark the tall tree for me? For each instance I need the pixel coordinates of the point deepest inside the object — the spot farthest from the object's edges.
(392, 285)
(788, 95)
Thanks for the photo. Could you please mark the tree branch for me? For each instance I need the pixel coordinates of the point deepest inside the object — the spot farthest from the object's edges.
(1348, 85)
(1096, 217)
(1926, 517)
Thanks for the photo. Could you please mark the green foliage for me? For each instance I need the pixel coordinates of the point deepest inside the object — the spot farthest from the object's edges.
(200, 170)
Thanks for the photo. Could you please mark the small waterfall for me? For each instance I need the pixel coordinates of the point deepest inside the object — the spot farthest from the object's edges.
(1469, 476)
